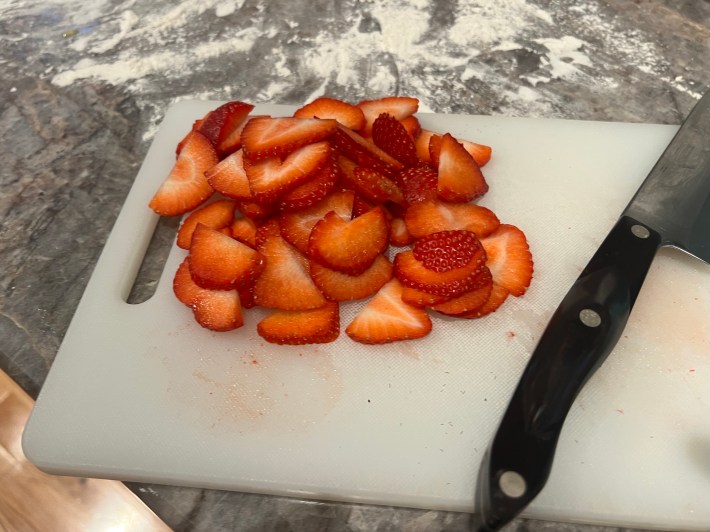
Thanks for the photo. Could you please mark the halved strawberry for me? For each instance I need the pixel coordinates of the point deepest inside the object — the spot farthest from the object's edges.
(220, 262)
(399, 236)
(271, 178)
(244, 230)
(446, 250)
(345, 113)
(337, 286)
(417, 184)
(509, 258)
(264, 138)
(432, 216)
(389, 135)
(386, 318)
(411, 126)
(285, 283)
(296, 226)
(186, 186)
(349, 246)
(460, 179)
(497, 297)
(221, 123)
(298, 327)
(229, 178)
(312, 191)
(364, 152)
(471, 300)
(216, 215)
(398, 106)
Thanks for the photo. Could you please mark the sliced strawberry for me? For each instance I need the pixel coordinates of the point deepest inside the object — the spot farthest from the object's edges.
(386, 318)
(411, 126)
(349, 246)
(256, 210)
(216, 215)
(418, 298)
(421, 143)
(229, 178)
(446, 250)
(497, 297)
(268, 228)
(417, 184)
(285, 283)
(460, 178)
(435, 149)
(346, 114)
(373, 186)
(471, 300)
(186, 186)
(361, 205)
(220, 125)
(389, 135)
(298, 327)
(364, 152)
(271, 178)
(296, 226)
(398, 106)
(264, 137)
(219, 262)
(184, 287)
(244, 230)
(337, 286)
(509, 258)
(432, 216)
(399, 236)
(414, 274)
(480, 152)
(246, 296)
(313, 190)
(195, 126)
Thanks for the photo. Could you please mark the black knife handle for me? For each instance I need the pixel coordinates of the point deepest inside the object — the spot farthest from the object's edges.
(580, 335)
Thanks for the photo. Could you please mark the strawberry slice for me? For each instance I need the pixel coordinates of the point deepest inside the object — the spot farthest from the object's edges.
(296, 226)
(219, 262)
(346, 114)
(244, 230)
(421, 144)
(417, 184)
(265, 137)
(220, 125)
(337, 286)
(460, 178)
(389, 134)
(229, 178)
(386, 318)
(398, 106)
(313, 190)
(217, 310)
(399, 236)
(373, 186)
(471, 300)
(298, 327)
(195, 126)
(349, 246)
(411, 126)
(285, 283)
(418, 298)
(480, 152)
(430, 216)
(364, 152)
(509, 258)
(266, 229)
(186, 186)
(495, 300)
(255, 210)
(446, 250)
(271, 178)
(216, 215)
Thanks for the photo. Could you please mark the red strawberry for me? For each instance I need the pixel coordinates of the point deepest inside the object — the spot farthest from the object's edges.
(246, 296)
(421, 143)
(399, 236)
(389, 134)
(296, 226)
(496, 299)
(346, 114)
(480, 152)
(313, 190)
(509, 258)
(349, 246)
(216, 215)
(435, 149)
(264, 137)
(364, 152)
(460, 178)
(417, 184)
(229, 178)
(372, 185)
(244, 230)
(432, 216)
(337, 286)
(446, 250)
(220, 262)
(220, 125)
(398, 106)
(471, 300)
(266, 229)
(386, 318)
(186, 186)
(411, 126)
(195, 126)
(217, 310)
(271, 178)
(298, 327)
(361, 205)
(256, 210)
(285, 283)
(419, 298)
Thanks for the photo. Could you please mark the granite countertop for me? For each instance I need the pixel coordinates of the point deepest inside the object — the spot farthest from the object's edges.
(85, 85)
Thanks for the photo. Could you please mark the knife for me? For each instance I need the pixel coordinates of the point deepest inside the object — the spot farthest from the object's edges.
(671, 208)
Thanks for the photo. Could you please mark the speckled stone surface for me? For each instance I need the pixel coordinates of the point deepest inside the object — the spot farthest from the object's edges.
(84, 85)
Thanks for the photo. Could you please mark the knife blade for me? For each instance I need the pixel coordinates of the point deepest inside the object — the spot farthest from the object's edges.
(671, 208)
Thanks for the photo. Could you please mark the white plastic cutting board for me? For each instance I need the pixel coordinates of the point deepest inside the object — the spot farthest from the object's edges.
(140, 392)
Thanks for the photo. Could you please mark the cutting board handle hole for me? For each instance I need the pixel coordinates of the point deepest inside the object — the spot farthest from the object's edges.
(146, 281)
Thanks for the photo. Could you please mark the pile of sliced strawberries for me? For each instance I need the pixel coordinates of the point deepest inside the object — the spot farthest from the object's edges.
(303, 211)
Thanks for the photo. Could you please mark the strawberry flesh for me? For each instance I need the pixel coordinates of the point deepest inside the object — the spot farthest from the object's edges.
(266, 137)
(298, 327)
(345, 113)
(389, 135)
(432, 216)
(459, 177)
(216, 215)
(337, 286)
